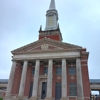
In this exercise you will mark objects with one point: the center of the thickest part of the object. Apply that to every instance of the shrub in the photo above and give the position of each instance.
(1, 99)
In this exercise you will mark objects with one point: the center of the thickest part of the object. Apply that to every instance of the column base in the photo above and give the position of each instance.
(6, 98)
(80, 98)
(19, 98)
(48, 98)
(15, 98)
(33, 98)
(10, 98)
(64, 98)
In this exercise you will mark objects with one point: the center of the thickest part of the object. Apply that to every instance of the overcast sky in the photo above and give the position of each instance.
(79, 22)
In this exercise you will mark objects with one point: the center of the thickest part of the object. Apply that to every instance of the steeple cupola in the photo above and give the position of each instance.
(51, 17)
(52, 30)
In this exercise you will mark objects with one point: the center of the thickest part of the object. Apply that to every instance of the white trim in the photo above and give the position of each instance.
(2, 91)
(94, 86)
(47, 55)
(87, 97)
(3, 85)
(84, 65)
(84, 60)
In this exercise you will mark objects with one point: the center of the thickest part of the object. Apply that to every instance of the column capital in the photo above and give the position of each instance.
(64, 58)
(14, 60)
(50, 59)
(25, 60)
(78, 57)
(38, 60)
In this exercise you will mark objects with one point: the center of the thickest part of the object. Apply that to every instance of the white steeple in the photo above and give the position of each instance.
(52, 5)
(51, 17)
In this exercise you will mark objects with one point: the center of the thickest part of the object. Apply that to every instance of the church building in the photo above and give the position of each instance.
(49, 69)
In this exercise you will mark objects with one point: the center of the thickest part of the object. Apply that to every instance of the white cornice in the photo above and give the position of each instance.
(47, 55)
(48, 51)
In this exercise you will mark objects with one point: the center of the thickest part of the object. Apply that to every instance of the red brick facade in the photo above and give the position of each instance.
(56, 78)
(54, 37)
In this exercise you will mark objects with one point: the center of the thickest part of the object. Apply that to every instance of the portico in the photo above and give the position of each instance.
(50, 57)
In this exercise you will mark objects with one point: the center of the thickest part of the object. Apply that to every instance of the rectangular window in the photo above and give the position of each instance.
(73, 91)
(72, 70)
(31, 89)
(58, 70)
(33, 64)
(58, 83)
(33, 70)
(58, 91)
(46, 70)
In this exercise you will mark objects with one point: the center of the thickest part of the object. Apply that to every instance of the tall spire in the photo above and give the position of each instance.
(52, 5)
(51, 17)
(52, 29)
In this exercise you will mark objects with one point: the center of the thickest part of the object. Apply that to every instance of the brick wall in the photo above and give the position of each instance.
(56, 78)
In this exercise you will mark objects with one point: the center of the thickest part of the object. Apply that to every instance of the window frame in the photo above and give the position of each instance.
(72, 89)
(45, 70)
(58, 70)
(72, 70)
(33, 70)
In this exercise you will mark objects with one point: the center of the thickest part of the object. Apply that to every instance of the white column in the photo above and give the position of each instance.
(49, 80)
(79, 80)
(11, 78)
(23, 79)
(36, 78)
(64, 80)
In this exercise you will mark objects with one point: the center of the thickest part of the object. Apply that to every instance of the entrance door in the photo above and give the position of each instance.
(58, 91)
(44, 90)
(31, 88)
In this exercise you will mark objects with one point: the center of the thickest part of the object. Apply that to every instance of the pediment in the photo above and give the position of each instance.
(45, 45)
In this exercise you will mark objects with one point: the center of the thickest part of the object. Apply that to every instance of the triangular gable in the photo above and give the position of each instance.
(45, 44)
